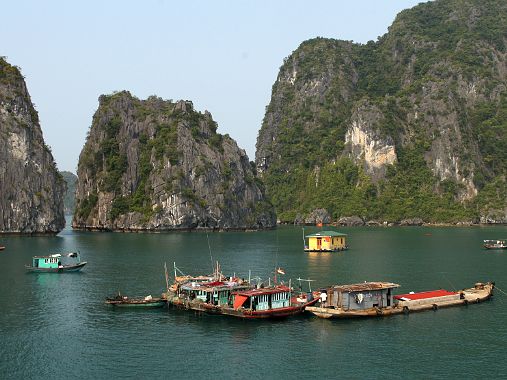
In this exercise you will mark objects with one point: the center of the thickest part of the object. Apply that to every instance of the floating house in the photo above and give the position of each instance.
(326, 241)
(361, 296)
(354, 300)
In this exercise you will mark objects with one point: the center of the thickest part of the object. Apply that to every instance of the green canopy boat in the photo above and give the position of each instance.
(56, 263)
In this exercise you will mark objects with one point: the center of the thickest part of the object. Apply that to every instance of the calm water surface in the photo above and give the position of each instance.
(56, 325)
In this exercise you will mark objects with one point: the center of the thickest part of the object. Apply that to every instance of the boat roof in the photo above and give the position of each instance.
(424, 295)
(326, 233)
(69, 254)
(364, 286)
(199, 279)
(263, 291)
(210, 286)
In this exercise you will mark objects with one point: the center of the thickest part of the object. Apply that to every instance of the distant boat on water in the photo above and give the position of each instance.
(56, 263)
(325, 241)
(2, 247)
(495, 244)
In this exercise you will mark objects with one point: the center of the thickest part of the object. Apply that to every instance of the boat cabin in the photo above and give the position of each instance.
(360, 296)
(215, 293)
(262, 299)
(52, 261)
(326, 241)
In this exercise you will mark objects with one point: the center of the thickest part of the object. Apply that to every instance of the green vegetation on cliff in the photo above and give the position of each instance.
(154, 165)
(434, 88)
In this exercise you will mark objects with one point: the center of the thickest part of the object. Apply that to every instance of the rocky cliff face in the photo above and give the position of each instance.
(69, 201)
(427, 100)
(31, 189)
(158, 165)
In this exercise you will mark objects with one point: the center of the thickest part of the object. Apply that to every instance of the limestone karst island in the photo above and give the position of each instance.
(409, 129)
(253, 190)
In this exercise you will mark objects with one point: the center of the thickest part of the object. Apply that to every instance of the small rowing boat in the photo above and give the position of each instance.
(147, 302)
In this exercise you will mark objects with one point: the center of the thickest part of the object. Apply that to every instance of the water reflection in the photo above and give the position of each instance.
(126, 342)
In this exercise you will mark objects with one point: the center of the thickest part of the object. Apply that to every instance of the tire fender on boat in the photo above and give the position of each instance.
(435, 307)
(406, 310)
(478, 300)
(465, 302)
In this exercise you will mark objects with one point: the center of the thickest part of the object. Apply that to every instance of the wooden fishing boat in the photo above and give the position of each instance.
(217, 294)
(375, 299)
(2, 247)
(136, 302)
(56, 263)
(204, 293)
(271, 302)
(495, 244)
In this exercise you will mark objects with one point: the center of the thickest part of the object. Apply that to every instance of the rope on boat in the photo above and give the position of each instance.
(449, 281)
(501, 291)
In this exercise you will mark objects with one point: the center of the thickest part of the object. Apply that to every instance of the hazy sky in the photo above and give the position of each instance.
(222, 55)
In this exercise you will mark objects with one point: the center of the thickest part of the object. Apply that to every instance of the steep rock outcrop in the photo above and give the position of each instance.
(69, 201)
(412, 125)
(319, 216)
(31, 189)
(157, 165)
(364, 144)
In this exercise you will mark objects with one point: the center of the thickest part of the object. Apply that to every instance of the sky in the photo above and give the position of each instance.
(224, 56)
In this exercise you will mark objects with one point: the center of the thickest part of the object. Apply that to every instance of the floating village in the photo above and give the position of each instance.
(252, 298)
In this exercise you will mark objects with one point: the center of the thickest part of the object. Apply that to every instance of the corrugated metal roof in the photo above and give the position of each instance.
(326, 233)
(365, 286)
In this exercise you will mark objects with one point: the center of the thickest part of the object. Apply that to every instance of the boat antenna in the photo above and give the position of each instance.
(167, 277)
(276, 258)
(210, 255)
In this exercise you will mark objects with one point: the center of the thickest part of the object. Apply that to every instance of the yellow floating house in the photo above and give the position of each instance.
(326, 241)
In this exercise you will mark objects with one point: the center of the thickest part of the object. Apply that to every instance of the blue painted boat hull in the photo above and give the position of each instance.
(65, 268)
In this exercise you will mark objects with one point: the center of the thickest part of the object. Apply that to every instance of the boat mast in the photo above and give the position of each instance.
(307, 280)
(209, 249)
(167, 277)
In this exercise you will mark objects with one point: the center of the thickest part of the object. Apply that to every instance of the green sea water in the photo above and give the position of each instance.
(56, 326)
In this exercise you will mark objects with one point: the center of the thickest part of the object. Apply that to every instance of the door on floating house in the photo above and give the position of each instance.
(319, 243)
